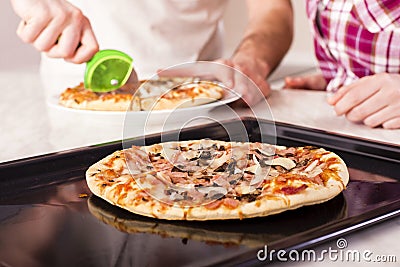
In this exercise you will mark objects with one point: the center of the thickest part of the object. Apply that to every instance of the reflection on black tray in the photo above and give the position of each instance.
(253, 232)
(364, 197)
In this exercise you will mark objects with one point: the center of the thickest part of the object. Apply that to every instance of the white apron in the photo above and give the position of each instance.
(155, 33)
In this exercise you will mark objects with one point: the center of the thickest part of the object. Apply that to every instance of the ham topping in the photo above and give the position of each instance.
(230, 174)
(291, 190)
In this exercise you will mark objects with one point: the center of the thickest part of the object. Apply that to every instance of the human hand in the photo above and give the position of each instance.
(312, 82)
(57, 28)
(373, 100)
(255, 73)
(240, 77)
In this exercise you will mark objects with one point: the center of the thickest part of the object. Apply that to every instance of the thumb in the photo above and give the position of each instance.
(295, 83)
(312, 81)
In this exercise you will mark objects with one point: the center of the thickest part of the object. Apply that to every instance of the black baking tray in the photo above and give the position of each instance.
(48, 217)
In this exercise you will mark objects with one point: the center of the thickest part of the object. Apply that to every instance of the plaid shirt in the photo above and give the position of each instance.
(355, 38)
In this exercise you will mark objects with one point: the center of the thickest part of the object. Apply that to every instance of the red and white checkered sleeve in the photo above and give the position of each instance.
(378, 15)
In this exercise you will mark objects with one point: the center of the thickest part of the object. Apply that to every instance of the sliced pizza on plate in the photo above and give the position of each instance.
(157, 94)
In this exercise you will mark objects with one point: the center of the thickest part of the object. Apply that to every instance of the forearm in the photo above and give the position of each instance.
(268, 34)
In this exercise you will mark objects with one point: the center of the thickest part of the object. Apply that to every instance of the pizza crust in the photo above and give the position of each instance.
(100, 105)
(123, 190)
(164, 104)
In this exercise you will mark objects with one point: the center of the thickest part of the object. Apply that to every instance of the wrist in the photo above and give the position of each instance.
(253, 49)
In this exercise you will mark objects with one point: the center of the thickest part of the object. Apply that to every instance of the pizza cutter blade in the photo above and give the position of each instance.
(133, 79)
(132, 84)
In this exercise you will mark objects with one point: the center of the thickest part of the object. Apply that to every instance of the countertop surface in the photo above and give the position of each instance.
(29, 126)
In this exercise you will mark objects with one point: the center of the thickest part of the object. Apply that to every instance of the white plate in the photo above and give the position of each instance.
(142, 116)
